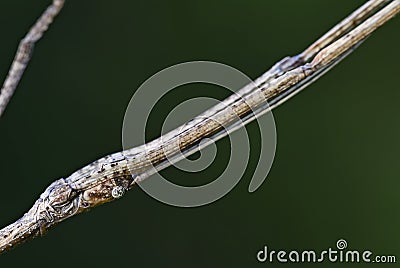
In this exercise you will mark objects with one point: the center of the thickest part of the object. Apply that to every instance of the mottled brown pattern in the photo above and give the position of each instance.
(93, 185)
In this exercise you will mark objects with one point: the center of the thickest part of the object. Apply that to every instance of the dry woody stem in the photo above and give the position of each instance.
(110, 177)
(24, 52)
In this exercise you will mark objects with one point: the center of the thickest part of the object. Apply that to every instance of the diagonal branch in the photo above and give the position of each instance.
(108, 178)
(24, 52)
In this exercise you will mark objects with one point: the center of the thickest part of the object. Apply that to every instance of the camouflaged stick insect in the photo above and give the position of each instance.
(110, 177)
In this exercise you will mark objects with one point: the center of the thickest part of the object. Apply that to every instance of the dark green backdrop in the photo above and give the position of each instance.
(335, 173)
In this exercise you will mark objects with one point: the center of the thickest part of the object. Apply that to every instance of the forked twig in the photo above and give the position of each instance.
(24, 52)
(108, 178)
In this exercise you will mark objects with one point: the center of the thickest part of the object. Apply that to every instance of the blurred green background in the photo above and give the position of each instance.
(334, 174)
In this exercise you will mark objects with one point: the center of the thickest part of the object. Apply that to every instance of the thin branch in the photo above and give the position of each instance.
(350, 22)
(24, 52)
(108, 178)
(343, 27)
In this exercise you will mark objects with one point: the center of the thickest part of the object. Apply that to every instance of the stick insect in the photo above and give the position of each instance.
(110, 177)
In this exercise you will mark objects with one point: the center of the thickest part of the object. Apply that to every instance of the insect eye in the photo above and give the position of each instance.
(118, 192)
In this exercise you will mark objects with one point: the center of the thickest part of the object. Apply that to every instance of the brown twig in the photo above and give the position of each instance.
(24, 52)
(108, 178)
